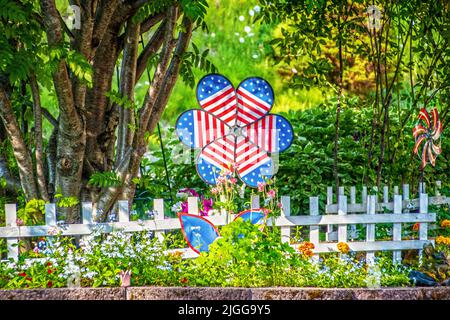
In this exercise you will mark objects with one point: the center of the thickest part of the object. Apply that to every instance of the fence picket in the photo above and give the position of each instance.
(370, 232)
(158, 209)
(254, 202)
(397, 229)
(423, 227)
(286, 212)
(385, 194)
(342, 228)
(314, 211)
(124, 214)
(193, 205)
(11, 221)
(329, 202)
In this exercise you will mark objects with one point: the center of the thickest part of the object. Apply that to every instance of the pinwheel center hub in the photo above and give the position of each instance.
(237, 131)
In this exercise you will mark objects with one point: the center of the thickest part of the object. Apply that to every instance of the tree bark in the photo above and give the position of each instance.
(19, 146)
(40, 174)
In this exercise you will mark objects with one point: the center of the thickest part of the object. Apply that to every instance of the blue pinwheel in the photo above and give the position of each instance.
(234, 129)
(199, 233)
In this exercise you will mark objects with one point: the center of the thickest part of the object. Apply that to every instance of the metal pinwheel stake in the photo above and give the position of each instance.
(234, 129)
(427, 134)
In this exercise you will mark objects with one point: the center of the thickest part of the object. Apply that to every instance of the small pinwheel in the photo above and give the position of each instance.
(428, 134)
(199, 233)
(234, 129)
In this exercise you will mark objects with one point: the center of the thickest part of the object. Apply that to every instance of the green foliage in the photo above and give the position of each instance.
(66, 202)
(105, 179)
(121, 100)
(33, 213)
(195, 59)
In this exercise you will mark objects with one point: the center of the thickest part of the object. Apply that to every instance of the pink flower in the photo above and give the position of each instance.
(280, 205)
(189, 192)
(233, 180)
(19, 222)
(184, 207)
(261, 186)
(271, 193)
(125, 278)
(214, 191)
(266, 211)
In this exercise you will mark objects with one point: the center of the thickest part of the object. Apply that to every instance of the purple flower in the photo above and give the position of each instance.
(207, 206)
(184, 207)
(189, 192)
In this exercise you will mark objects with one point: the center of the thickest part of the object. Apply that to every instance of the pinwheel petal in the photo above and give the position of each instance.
(255, 99)
(418, 129)
(436, 149)
(255, 216)
(197, 128)
(253, 164)
(423, 114)
(431, 156)
(272, 133)
(437, 131)
(424, 154)
(216, 156)
(216, 94)
(198, 232)
(419, 140)
(435, 115)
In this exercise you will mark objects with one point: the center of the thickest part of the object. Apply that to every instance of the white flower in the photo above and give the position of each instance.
(294, 71)
(213, 35)
(251, 12)
(247, 29)
(241, 40)
(241, 18)
(255, 56)
(257, 8)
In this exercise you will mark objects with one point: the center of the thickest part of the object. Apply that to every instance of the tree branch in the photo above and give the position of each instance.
(42, 185)
(20, 150)
(149, 50)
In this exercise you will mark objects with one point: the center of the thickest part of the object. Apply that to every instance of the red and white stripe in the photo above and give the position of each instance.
(263, 133)
(207, 128)
(249, 156)
(221, 152)
(222, 104)
(250, 107)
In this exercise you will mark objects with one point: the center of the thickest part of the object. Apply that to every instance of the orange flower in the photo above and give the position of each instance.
(416, 226)
(443, 240)
(445, 223)
(306, 248)
(343, 247)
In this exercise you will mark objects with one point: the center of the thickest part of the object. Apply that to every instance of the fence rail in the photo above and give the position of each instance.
(342, 214)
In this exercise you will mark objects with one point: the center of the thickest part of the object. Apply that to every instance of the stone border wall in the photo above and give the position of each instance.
(191, 293)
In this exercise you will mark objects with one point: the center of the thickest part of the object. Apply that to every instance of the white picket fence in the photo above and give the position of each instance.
(341, 214)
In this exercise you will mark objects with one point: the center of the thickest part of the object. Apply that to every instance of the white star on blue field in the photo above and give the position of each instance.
(185, 128)
(210, 85)
(259, 88)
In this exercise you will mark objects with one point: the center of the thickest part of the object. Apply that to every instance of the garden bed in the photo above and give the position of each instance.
(209, 293)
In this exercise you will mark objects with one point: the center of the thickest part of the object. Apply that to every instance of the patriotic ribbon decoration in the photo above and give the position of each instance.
(234, 129)
(427, 134)
(199, 232)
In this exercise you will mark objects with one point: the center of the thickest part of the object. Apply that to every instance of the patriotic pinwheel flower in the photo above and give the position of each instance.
(234, 129)
(427, 133)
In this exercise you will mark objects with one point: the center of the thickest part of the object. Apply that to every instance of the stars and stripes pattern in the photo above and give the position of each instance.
(234, 128)
(272, 133)
(216, 95)
(197, 128)
(255, 99)
(427, 135)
